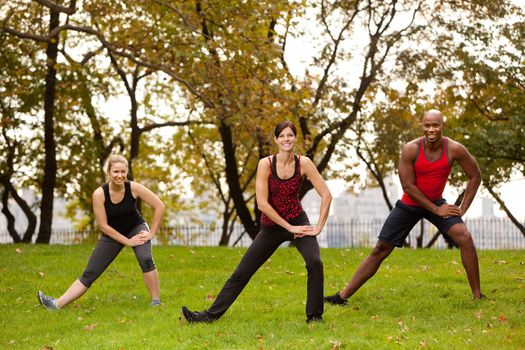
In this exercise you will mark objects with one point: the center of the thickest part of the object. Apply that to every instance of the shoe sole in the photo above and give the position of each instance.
(39, 299)
(332, 303)
(184, 310)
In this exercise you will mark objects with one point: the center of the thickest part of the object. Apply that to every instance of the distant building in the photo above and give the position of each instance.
(366, 206)
(487, 207)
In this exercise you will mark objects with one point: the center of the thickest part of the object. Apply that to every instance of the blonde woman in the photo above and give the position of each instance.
(115, 209)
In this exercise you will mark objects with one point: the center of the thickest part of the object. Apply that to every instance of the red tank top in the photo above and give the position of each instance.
(431, 177)
(283, 195)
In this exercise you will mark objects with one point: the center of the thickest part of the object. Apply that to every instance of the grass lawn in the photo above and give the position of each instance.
(418, 299)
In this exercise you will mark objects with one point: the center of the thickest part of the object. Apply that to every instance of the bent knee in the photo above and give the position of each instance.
(460, 234)
(147, 264)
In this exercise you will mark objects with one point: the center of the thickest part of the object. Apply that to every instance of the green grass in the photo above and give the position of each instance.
(418, 299)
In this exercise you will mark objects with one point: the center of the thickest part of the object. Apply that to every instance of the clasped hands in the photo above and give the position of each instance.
(301, 231)
(140, 238)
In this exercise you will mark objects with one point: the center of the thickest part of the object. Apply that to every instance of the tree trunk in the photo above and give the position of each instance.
(419, 239)
(506, 210)
(232, 178)
(9, 217)
(225, 235)
(50, 166)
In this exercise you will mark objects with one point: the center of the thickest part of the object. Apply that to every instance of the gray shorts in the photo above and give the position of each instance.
(404, 217)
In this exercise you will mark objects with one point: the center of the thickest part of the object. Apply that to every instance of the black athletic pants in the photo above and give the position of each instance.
(259, 251)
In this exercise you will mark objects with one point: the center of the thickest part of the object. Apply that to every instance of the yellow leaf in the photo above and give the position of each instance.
(90, 327)
(41, 274)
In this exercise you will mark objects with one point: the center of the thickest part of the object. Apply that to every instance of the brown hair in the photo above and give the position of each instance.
(283, 125)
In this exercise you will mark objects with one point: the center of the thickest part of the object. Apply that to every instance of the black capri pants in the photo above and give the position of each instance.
(107, 250)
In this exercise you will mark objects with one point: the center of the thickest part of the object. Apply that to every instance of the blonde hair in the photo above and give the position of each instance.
(112, 159)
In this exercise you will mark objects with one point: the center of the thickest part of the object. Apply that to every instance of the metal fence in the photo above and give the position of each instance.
(488, 233)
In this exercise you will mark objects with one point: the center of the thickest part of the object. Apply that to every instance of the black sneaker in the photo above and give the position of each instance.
(48, 302)
(335, 300)
(481, 297)
(312, 319)
(195, 316)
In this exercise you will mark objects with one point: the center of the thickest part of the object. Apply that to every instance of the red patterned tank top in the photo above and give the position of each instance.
(431, 177)
(283, 195)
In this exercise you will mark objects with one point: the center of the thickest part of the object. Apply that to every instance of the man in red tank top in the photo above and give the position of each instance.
(424, 168)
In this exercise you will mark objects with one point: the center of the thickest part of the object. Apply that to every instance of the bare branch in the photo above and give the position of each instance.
(22, 35)
(88, 30)
(215, 178)
(71, 9)
(161, 125)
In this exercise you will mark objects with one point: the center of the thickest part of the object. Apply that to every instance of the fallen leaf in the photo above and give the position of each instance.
(502, 318)
(18, 250)
(423, 343)
(375, 317)
(41, 274)
(210, 297)
(90, 327)
(335, 345)
(500, 262)
(479, 314)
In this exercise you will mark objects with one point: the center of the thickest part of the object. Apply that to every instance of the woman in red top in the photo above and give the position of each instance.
(278, 182)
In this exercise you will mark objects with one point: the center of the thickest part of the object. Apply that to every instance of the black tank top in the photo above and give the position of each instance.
(123, 216)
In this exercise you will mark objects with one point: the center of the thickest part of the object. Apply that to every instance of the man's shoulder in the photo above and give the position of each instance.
(454, 145)
(412, 146)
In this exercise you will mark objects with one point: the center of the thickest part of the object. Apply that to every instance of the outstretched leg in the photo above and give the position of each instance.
(104, 253)
(75, 291)
(309, 249)
(259, 251)
(367, 269)
(460, 234)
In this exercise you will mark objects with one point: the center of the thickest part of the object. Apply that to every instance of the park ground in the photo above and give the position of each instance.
(418, 299)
